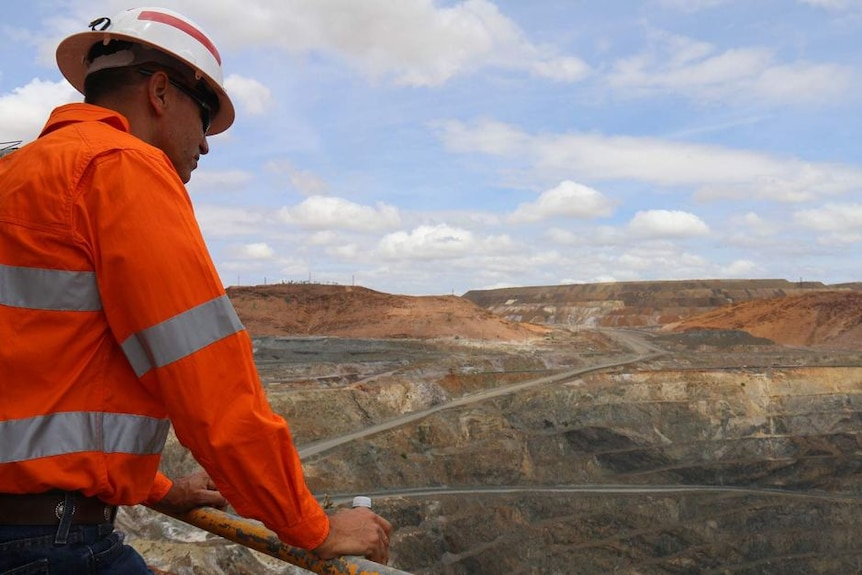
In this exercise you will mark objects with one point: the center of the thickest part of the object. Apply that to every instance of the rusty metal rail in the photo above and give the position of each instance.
(9, 147)
(259, 538)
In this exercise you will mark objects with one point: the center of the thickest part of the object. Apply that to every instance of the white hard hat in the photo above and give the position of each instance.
(163, 30)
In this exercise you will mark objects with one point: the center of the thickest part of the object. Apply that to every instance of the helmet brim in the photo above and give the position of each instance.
(72, 60)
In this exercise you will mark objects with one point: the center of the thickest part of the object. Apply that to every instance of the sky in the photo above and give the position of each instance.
(430, 147)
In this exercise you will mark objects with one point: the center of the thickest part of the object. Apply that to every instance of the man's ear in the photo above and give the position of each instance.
(157, 92)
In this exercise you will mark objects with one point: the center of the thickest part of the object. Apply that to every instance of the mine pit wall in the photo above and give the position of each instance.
(637, 533)
(794, 429)
(788, 428)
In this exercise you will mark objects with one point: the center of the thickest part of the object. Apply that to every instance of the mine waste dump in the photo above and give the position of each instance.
(576, 450)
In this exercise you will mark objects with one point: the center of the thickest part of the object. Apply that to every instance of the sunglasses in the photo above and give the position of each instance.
(206, 109)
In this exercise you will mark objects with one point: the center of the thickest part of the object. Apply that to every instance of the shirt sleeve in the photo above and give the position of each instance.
(161, 486)
(166, 306)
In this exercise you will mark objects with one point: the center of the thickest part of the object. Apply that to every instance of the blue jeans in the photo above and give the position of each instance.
(90, 550)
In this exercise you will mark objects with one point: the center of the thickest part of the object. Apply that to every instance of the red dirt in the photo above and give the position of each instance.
(351, 311)
(827, 319)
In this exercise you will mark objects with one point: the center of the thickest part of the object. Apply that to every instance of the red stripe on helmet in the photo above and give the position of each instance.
(183, 26)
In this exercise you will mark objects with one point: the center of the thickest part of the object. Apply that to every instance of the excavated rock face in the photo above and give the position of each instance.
(664, 533)
(793, 428)
(681, 442)
(671, 434)
(809, 313)
(729, 453)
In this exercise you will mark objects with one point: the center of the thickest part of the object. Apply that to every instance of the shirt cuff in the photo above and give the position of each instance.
(160, 488)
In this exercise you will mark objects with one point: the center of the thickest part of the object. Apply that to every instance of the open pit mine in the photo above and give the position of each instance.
(642, 428)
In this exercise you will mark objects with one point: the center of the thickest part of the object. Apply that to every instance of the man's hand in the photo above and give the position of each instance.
(195, 490)
(357, 531)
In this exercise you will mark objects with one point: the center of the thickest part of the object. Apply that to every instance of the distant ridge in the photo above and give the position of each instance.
(636, 303)
(354, 311)
(829, 315)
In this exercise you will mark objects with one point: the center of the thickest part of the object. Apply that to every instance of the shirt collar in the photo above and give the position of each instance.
(79, 112)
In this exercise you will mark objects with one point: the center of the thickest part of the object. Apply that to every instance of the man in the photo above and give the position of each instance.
(114, 323)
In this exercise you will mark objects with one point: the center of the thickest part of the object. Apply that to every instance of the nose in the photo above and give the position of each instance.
(204, 145)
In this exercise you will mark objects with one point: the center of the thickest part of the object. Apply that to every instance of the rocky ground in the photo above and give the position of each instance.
(729, 452)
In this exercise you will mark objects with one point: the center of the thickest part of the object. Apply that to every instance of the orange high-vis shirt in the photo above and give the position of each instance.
(114, 325)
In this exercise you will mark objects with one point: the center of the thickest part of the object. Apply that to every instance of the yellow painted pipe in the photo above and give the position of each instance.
(259, 538)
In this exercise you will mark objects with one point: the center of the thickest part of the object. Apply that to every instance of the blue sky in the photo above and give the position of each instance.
(427, 147)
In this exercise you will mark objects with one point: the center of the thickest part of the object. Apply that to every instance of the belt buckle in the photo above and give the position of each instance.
(60, 510)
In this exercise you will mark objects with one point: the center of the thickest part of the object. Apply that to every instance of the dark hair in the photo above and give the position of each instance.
(108, 81)
(103, 82)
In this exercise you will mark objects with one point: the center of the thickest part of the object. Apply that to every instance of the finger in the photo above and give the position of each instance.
(210, 484)
(384, 552)
(382, 546)
(378, 556)
(384, 556)
(212, 498)
(384, 524)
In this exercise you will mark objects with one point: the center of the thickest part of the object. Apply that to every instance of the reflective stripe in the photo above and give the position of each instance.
(181, 335)
(73, 432)
(45, 289)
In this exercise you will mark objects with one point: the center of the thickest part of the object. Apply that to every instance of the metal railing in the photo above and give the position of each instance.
(259, 538)
(9, 147)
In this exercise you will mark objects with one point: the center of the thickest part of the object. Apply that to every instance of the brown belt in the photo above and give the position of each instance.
(47, 508)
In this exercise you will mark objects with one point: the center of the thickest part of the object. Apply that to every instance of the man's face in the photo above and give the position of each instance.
(186, 138)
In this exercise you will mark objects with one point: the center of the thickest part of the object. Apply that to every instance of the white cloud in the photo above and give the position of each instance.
(741, 269)
(568, 199)
(838, 225)
(427, 242)
(680, 65)
(567, 69)
(204, 181)
(253, 251)
(439, 242)
(248, 94)
(487, 137)
(227, 221)
(748, 227)
(673, 263)
(839, 239)
(23, 112)
(720, 172)
(322, 238)
(750, 221)
(303, 181)
(831, 218)
(317, 212)
(415, 42)
(563, 237)
(667, 224)
(791, 182)
(600, 236)
(805, 83)
(239, 269)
